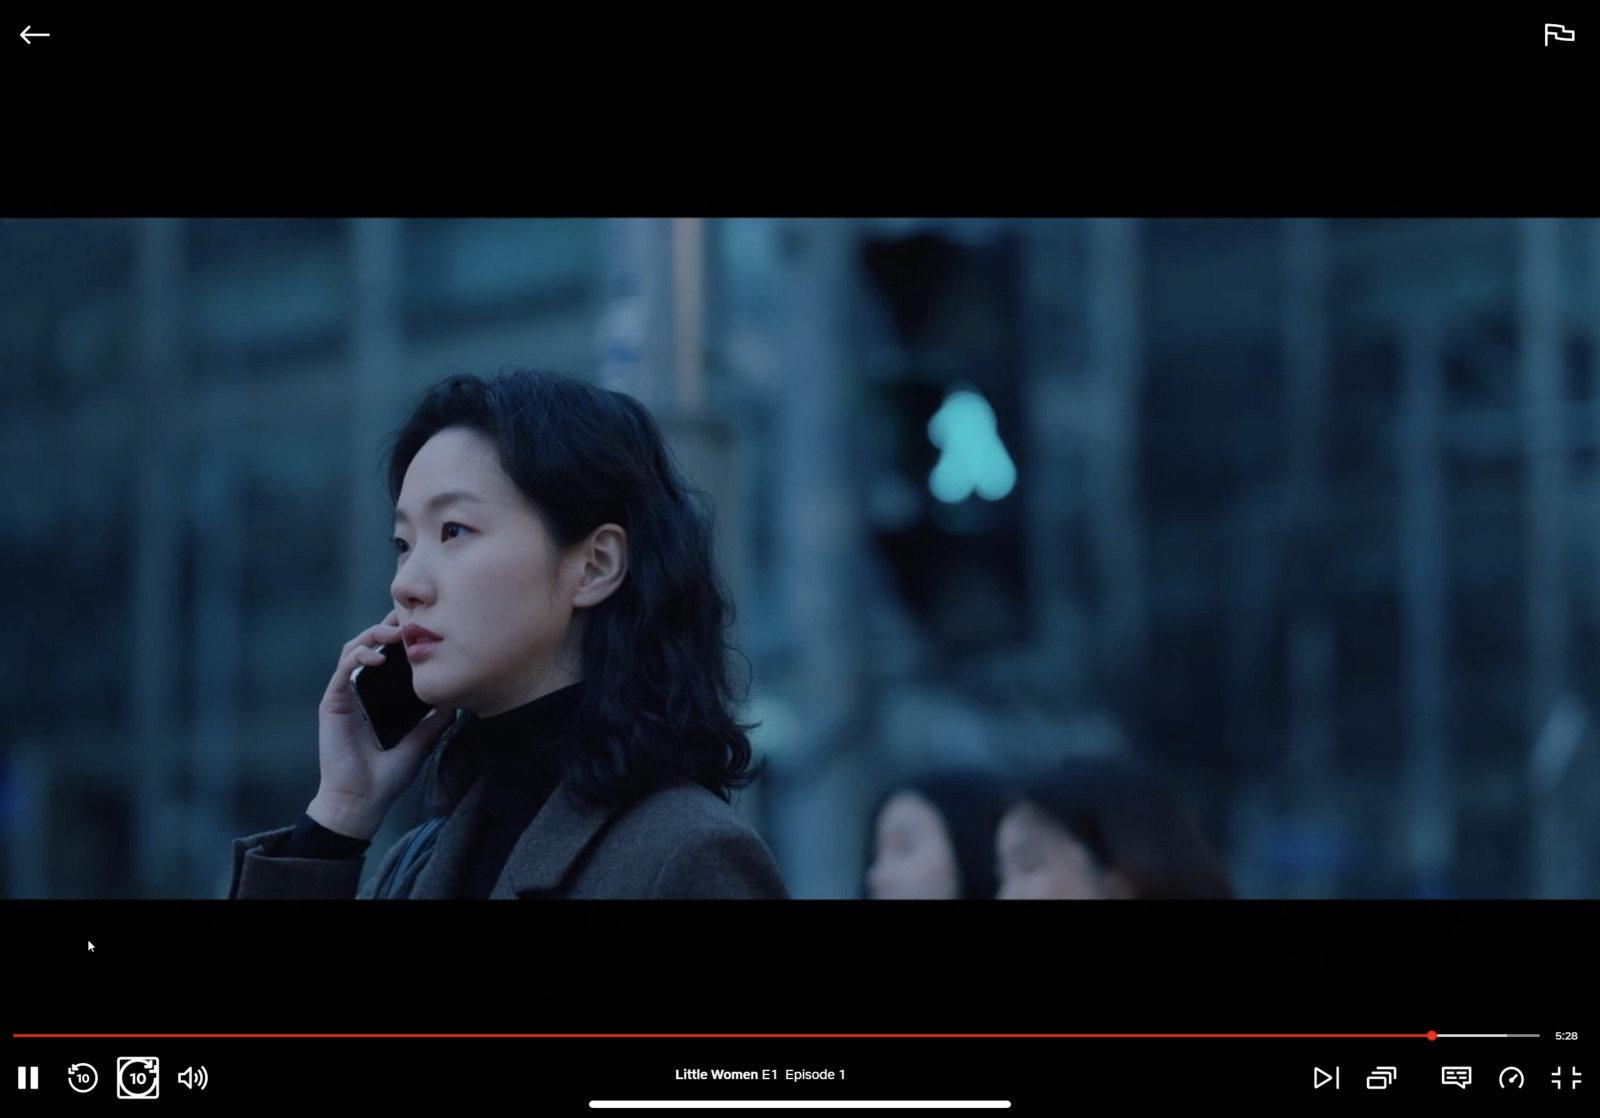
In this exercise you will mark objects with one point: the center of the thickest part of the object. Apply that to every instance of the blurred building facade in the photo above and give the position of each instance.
(1307, 511)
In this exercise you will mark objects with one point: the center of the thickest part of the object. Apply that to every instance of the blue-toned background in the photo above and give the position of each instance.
(1309, 511)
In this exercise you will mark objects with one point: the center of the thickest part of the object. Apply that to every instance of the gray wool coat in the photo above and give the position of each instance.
(679, 842)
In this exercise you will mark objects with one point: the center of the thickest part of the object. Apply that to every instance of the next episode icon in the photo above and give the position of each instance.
(1461, 1077)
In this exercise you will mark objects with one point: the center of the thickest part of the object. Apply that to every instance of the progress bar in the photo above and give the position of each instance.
(1443, 1035)
(802, 1104)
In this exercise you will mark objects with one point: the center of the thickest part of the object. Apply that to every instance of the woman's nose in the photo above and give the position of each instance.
(410, 586)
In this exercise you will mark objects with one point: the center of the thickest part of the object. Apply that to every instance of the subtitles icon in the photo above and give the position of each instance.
(1461, 1077)
(1380, 1079)
(1559, 34)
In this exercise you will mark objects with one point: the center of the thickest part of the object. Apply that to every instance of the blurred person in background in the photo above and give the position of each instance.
(932, 838)
(1103, 828)
(556, 595)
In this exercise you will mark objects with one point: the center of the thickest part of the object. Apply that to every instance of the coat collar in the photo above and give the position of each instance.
(539, 862)
(552, 845)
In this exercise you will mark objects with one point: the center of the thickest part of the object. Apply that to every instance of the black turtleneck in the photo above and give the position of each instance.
(519, 753)
(518, 749)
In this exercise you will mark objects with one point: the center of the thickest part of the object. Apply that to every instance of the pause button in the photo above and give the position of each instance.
(27, 1079)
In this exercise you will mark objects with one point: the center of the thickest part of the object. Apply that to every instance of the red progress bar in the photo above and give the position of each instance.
(722, 1036)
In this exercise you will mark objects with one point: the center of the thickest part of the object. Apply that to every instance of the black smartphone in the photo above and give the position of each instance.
(384, 696)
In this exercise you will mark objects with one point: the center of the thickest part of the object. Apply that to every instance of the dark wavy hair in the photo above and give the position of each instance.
(658, 686)
(1129, 820)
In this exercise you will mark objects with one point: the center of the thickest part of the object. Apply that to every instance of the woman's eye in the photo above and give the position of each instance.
(447, 530)
(399, 545)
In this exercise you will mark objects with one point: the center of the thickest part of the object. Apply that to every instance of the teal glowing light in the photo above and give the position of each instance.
(973, 459)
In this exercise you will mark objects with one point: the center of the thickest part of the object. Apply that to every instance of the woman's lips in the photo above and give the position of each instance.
(416, 650)
(419, 641)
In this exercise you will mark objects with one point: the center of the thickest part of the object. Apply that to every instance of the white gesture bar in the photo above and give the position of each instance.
(799, 1104)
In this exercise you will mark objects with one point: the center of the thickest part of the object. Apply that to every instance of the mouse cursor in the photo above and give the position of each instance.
(91, 946)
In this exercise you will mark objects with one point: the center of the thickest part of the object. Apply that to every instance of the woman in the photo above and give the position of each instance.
(933, 839)
(1103, 828)
(556, 595)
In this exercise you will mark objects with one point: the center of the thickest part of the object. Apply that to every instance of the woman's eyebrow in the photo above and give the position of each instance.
(454, 496)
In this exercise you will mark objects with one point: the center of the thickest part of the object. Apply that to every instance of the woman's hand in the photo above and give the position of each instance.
(360, 782)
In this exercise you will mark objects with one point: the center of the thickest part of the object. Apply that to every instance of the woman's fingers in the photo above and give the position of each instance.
(358, 653)
(378, 634)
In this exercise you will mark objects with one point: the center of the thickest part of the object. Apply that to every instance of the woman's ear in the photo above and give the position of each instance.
(602, 564)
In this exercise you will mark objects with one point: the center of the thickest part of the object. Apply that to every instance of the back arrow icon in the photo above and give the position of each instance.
(28, 38)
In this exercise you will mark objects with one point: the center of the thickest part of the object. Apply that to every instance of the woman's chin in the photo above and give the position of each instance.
(436, 693)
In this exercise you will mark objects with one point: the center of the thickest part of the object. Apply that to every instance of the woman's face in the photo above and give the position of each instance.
(913, 859)
(477, 568)
(1040, 861)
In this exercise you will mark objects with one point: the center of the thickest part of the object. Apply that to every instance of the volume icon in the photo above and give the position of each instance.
(193, 1078)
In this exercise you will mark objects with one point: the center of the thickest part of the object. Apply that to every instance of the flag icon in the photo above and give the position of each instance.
(1559, 34)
